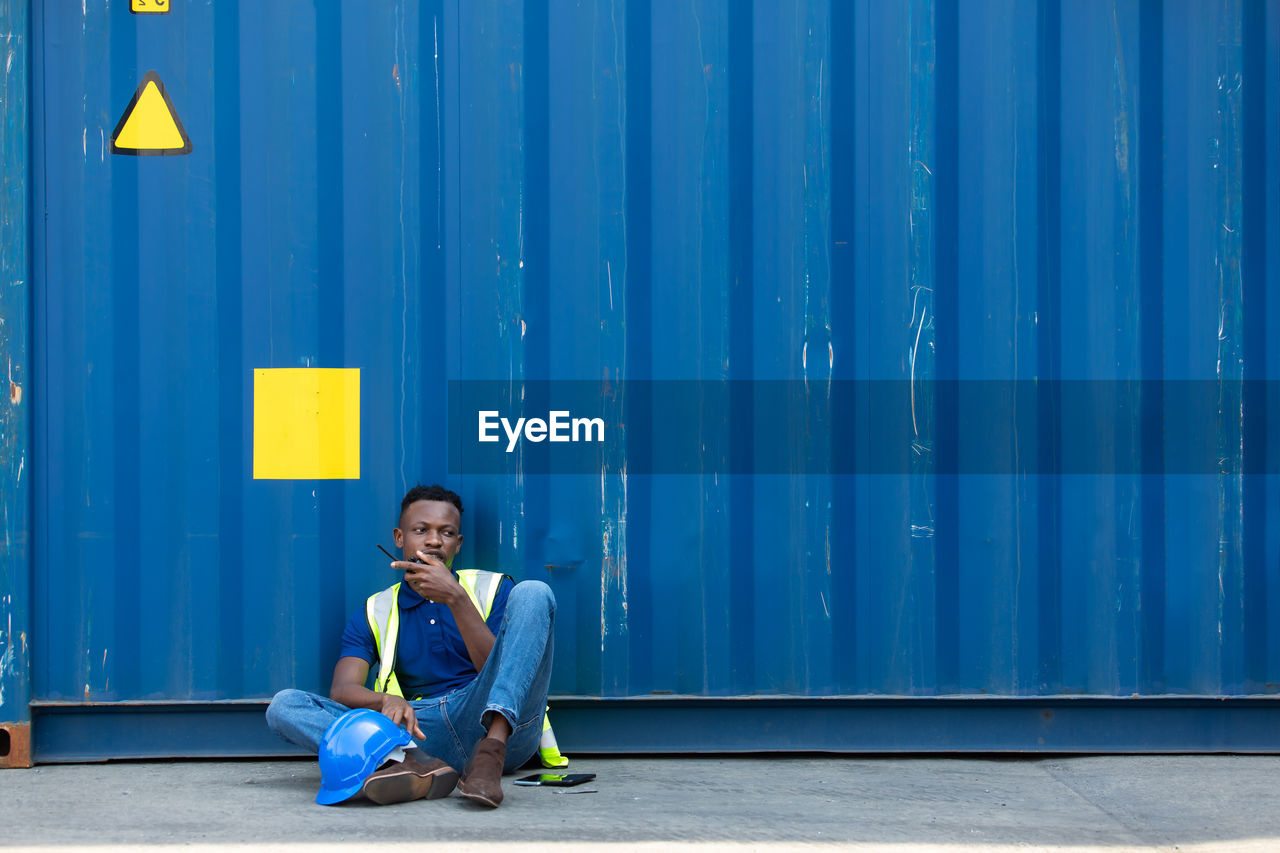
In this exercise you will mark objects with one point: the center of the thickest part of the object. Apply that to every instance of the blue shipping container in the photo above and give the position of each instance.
(961, 306)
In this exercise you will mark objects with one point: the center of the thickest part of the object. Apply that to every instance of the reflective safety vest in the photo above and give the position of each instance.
(383, 612)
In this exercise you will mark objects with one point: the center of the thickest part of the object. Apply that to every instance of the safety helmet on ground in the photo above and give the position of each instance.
(354, 746)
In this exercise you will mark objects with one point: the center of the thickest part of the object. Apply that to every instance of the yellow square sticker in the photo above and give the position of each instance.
(150, 7)
(306, 423)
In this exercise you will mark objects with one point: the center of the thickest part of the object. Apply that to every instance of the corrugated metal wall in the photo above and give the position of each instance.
(15, 393)
(704, 189)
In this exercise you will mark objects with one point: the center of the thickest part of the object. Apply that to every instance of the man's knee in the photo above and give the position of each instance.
(281, 704)
(535, 594)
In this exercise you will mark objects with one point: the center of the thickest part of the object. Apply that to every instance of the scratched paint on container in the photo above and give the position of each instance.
(16, 398)
(650, 189)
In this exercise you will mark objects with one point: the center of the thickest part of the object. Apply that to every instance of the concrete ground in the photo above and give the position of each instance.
(708, 804)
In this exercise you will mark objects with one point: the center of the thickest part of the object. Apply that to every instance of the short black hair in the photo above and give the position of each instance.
(430, 493)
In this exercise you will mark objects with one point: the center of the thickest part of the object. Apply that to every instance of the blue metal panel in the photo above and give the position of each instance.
(884, 332)
(690, 297)
(802, 191)
(1263, 272)
(1202, 286)
(16, 390)
(1098, 315)
(791, 327)
(996, 305)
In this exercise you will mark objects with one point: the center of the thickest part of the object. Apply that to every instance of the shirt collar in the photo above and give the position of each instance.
(407, 597)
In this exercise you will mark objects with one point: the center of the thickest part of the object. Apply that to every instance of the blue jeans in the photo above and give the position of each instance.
(513, 683)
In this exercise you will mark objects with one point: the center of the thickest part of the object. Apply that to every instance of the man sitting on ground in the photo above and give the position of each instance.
(464, 662)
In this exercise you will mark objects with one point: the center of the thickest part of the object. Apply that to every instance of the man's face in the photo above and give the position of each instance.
(430, 527)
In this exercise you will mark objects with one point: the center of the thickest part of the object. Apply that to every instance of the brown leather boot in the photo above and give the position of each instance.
(482, 779)
(418, 776)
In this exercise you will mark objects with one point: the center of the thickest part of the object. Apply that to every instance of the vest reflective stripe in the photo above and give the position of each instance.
(384, 622)
(548, 749)
(482, 588)
(383, 612)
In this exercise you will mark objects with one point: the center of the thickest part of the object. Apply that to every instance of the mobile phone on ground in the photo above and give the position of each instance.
(556, 780)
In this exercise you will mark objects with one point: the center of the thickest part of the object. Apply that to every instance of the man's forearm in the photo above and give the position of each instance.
(356, 696)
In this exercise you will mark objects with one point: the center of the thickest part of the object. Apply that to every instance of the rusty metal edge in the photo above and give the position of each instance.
(19, 754)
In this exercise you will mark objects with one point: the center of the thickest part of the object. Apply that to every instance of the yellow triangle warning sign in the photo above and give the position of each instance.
(150, 125)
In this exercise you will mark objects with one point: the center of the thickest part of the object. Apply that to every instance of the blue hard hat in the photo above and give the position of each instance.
(352, 747)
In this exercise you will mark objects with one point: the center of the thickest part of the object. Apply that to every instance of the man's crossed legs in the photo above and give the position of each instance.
(490, 726)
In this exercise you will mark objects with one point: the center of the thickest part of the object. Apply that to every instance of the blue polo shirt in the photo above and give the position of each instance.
(431, 658)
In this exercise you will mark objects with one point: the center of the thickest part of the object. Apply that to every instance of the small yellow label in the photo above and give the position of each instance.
(306, 423)
(149, 124)
(149, 7)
